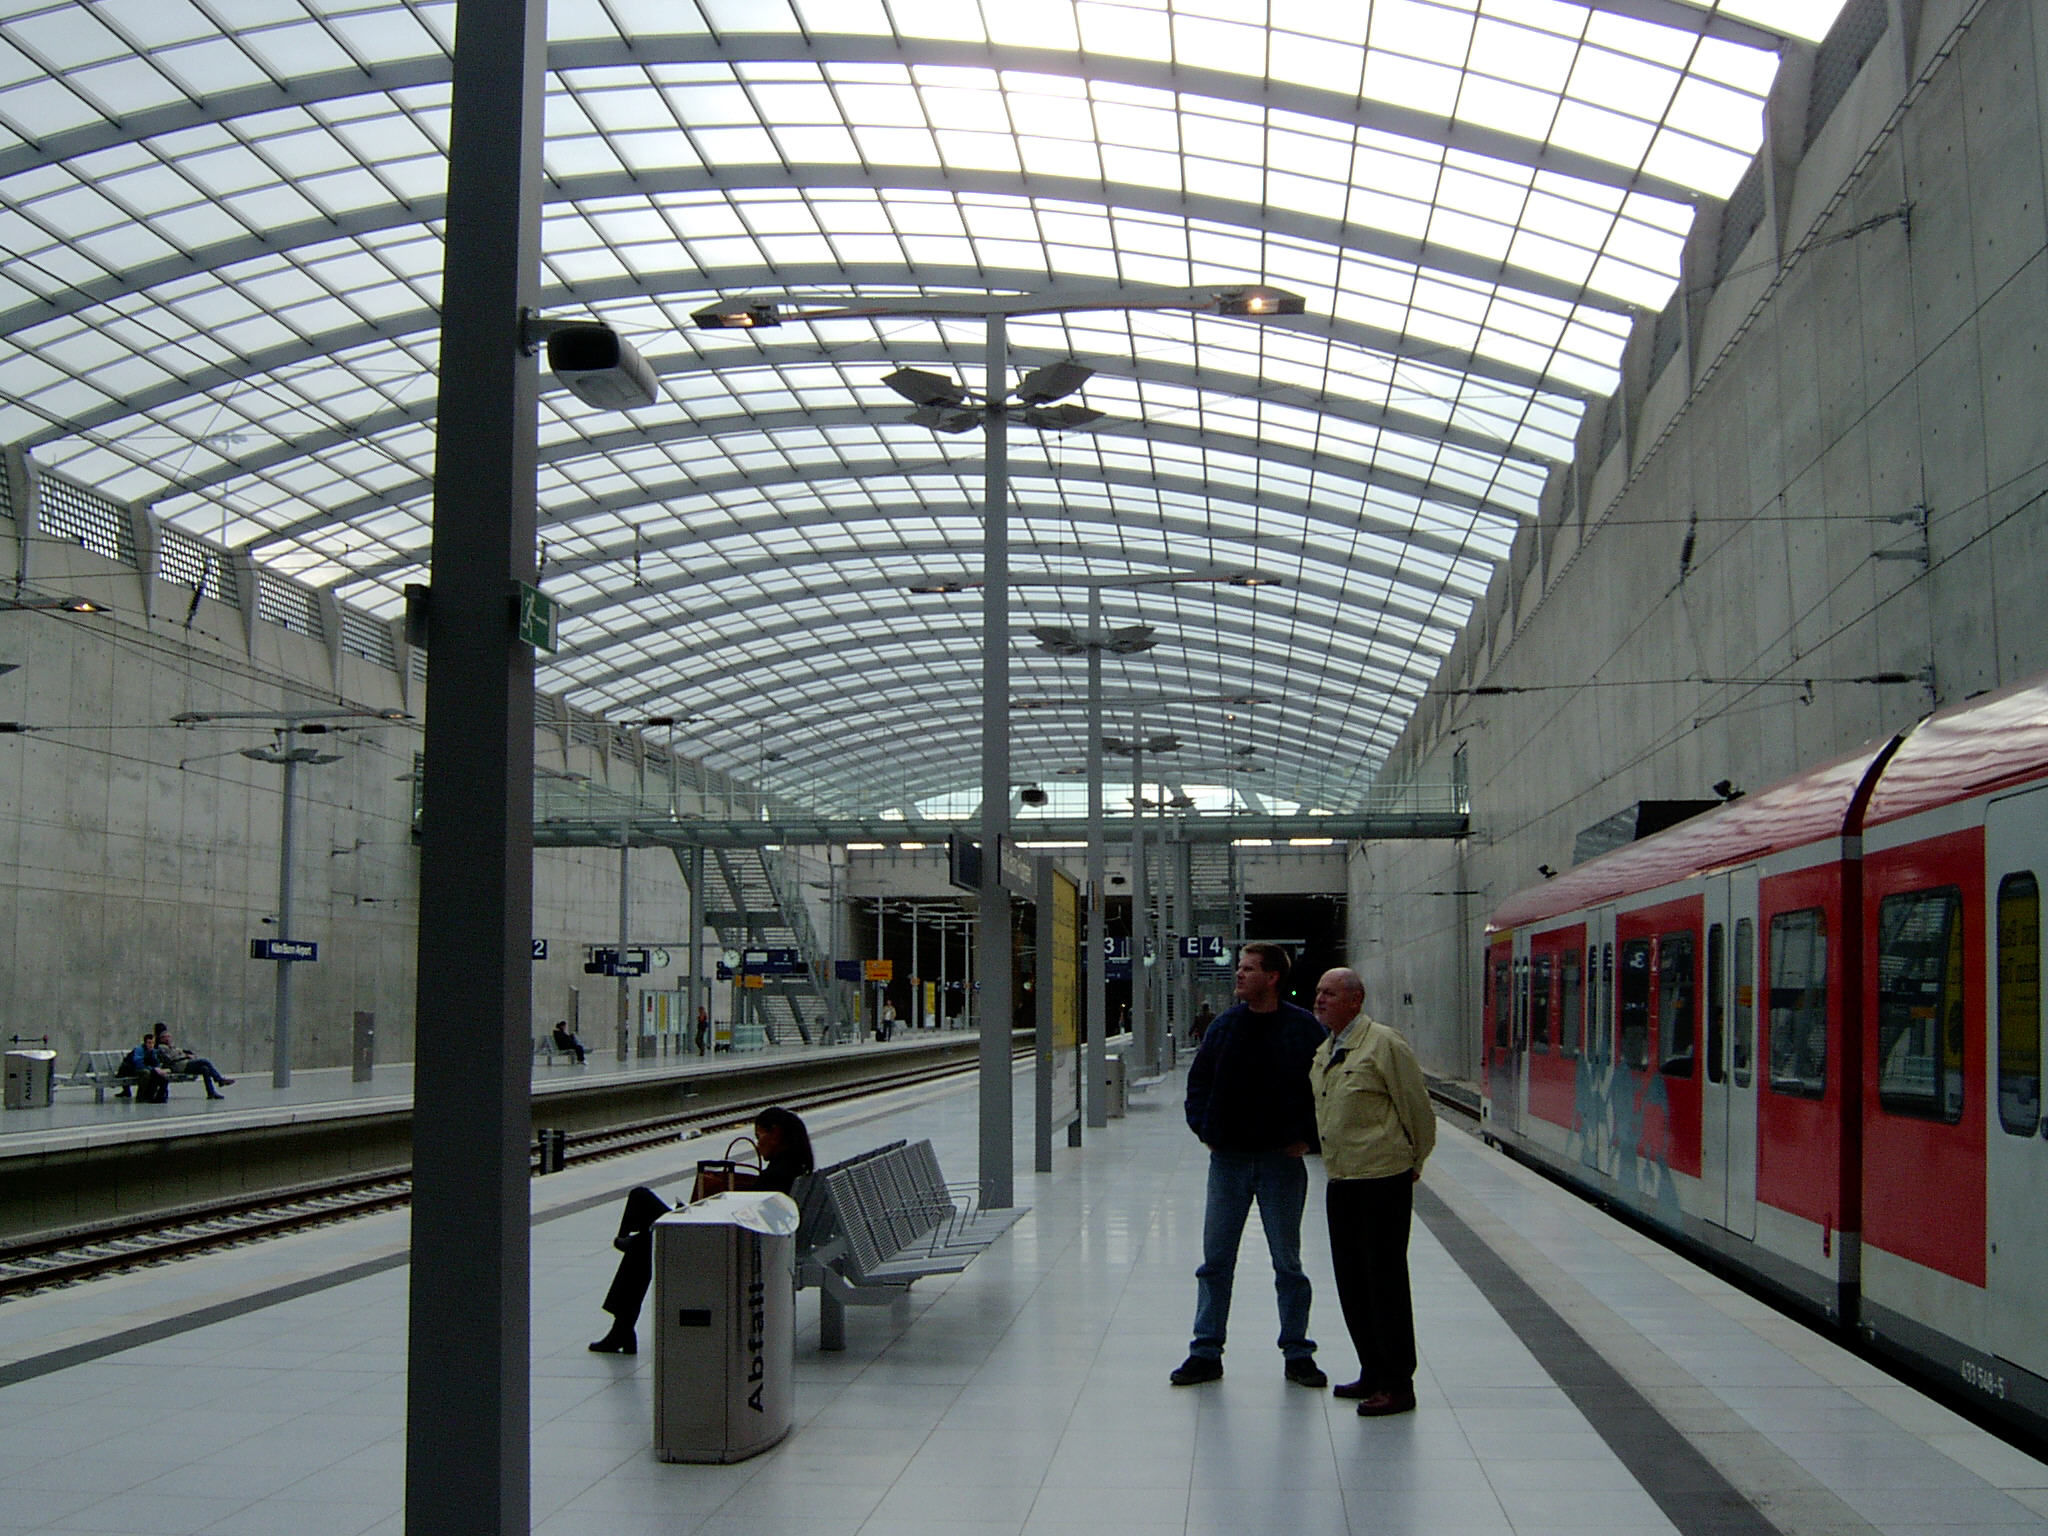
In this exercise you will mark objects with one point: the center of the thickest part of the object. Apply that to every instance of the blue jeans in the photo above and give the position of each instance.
(1280, 1184)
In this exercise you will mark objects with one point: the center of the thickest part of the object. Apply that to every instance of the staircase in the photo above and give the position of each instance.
(1216, 896)
(747, 904)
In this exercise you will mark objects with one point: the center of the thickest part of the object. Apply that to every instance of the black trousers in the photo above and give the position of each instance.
(1369, 1250)
(636, 1263)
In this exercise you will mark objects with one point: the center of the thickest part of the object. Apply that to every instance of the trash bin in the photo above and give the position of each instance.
(725, 1326)
(554, 1151)
(28, 1079)
(1115, 1086)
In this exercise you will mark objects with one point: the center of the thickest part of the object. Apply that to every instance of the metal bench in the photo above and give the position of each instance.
(101, 1070)
(872, 1226)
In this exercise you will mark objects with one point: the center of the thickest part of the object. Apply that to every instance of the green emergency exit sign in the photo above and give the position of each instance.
(538, 614)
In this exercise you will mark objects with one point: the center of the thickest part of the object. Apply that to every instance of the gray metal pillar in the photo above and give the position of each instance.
(998, 1175)
(1141, 894)
(700, 994)
(1095, 1109)
(281, 1036)
(627, 1043)
(468, 1429)
(1041, 1120)
(1184, 884)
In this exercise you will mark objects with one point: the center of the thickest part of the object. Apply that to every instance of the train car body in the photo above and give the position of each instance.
(1803, 1032)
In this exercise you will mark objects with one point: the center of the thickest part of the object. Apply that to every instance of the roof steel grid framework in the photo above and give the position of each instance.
(224, 266)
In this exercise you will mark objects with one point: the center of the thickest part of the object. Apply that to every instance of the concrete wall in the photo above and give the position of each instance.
(1854, 376)
(138, 858)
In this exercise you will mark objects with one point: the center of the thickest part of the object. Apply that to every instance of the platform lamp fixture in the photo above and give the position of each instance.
(1039, 399)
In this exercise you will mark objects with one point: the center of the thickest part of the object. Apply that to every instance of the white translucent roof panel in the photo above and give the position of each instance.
(224, 257)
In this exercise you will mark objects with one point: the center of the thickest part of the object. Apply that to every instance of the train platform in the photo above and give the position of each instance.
(327, 1090)
(1575, 1378)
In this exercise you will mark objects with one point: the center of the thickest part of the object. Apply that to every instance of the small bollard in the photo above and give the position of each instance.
(554, 1151)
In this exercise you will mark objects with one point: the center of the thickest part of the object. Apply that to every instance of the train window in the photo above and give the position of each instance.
(1571, 1006)
(1920, 1003)
(1501, 1002)
(1606, 1002)
(1675, 984)
(1539, 1004)
(1635, 1003)
(1745, 1000)
(2019, 1004)
(1798, 1019)
(1717, 1003)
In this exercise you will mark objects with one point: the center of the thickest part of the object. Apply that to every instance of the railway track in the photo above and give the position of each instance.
(160, 1237)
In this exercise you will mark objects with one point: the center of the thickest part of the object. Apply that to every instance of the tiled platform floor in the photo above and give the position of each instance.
(1027, 1395)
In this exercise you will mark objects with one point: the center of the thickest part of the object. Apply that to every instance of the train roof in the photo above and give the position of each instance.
(1789, 814)
(1975, 748)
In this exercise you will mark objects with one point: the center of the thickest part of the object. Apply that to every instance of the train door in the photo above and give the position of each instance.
(2016, 1163)
(1596, 1060)
(1503, 1059)
(1728, 1096)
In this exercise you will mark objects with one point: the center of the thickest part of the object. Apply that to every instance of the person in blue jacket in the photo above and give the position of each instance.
(1249, 1102)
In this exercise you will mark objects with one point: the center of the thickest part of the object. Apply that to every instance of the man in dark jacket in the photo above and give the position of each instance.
(1249, 1102)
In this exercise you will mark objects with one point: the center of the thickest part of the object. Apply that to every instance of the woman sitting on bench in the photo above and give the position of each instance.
(785, 1148)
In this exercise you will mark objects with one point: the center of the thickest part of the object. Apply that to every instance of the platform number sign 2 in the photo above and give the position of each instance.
(540, 949)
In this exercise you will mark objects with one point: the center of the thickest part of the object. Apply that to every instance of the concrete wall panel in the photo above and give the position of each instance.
(1895, 364)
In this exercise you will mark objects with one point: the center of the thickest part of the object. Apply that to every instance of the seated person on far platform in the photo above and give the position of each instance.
(565, 1040)
(152, 1079)
(177, 1059)
(785, 1147)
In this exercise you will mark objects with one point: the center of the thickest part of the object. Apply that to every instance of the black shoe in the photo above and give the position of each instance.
(1195, 1370)
(619, 1341)
(1354, 1389)
(1304, 1372)
(1381, 1404)
(212, 1095)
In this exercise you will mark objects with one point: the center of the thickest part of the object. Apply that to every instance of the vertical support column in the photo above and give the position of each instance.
(627, 1042)
(997, 1172)
(700, 994)
(287, 857)
(468, 1429)
(1095, 1112)
(1191, 965)
(1041, 1120)
(1141, 896)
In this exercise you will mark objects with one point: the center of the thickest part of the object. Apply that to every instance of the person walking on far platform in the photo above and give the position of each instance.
(1377, 1129)
(1248, 1101)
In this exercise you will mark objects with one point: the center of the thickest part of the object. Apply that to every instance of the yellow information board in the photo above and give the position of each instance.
(1066, 951)
(878, 970)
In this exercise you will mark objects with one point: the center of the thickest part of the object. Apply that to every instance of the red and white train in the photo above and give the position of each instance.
(1804, 1031)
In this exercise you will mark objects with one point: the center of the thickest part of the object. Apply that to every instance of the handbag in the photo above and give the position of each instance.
(716, 1175)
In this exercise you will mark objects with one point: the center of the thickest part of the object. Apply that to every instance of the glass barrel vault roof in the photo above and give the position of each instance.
(222, 239)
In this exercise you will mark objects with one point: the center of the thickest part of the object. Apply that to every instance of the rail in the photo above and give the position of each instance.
(83, 1253)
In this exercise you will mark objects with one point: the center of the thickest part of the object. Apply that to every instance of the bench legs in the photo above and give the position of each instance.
(835, 1294)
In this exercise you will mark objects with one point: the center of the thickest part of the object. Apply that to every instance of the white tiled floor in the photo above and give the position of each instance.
(1027, 1395)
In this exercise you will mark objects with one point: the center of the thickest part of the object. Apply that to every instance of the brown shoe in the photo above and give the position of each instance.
(1353, 1389)
(1381, 1404)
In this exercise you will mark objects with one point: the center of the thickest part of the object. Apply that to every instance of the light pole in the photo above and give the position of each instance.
(304, 722)
(1130, 641)
(290, 757)
(949, 407)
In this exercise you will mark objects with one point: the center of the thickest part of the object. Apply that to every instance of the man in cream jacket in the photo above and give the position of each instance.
(1377, 1130)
